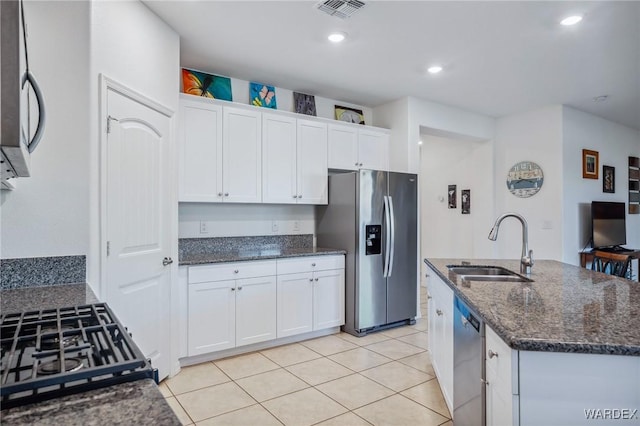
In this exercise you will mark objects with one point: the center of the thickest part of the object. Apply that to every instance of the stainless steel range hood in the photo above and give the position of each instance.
(16, 143)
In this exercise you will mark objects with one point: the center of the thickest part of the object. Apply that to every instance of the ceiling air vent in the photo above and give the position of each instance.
(340, 8)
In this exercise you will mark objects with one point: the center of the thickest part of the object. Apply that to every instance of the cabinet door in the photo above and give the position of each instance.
(242, 156)
(279, 159)
(255, 310)
(328, 299)
(312, 162)
(373, 150)
(212, 313)
(200, 151)
(342, 147)
(295, 304)
(441, 343)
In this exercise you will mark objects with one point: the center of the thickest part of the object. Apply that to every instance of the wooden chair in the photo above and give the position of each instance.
(612, 263)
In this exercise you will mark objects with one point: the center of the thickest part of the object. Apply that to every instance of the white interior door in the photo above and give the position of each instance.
(138, 207)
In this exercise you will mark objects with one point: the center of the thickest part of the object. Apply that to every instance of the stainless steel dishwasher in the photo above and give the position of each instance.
(468, 366)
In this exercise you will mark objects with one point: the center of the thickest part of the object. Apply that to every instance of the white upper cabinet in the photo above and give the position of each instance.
(343, 147)
(312, 162)
(220, 153)
(294, 160)
(200, 136)
(237, 153)
(279, 171)
(373, 149)
(242, 154)
(353, 148)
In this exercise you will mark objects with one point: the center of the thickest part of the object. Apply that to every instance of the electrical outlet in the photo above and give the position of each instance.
(203, 227)
(274, 227)
(296, 226)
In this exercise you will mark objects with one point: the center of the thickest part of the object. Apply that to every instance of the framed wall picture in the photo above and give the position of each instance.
(262, 95)
(590, 164)
(350, 115)
(466, 201)
(304, 104)
(207, 85)
(609, 179)
(451, 196)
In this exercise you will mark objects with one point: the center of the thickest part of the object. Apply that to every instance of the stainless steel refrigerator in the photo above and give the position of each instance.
(373, 215)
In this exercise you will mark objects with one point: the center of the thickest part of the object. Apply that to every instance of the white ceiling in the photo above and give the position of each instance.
(500, 58)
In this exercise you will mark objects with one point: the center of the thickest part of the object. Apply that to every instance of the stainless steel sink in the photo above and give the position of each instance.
(486, 273)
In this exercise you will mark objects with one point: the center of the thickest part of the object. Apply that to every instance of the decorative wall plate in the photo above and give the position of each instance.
(525, 179)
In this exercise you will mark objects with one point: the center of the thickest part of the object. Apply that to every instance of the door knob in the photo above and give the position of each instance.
(439, 312)
(167, 261)
(492, 354)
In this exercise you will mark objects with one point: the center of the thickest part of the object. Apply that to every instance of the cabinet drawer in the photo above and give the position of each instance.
(231, 271)
(309, 264)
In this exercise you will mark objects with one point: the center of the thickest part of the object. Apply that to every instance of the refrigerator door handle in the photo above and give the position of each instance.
(392, 243)
(387, 231)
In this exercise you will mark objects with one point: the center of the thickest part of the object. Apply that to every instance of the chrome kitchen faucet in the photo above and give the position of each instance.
(526, 260)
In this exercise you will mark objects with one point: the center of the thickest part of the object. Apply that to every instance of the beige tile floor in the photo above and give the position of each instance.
(384, 378)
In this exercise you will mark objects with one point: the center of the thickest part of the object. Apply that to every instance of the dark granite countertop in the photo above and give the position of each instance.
(53, 296)
(254, 254)
(139, 402)
(565, 309)
(134, 403)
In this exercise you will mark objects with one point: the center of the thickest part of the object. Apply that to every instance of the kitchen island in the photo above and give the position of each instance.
(138, 402)
(568, 343)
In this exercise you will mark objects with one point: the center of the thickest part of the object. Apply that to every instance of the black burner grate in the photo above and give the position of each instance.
(88, 341)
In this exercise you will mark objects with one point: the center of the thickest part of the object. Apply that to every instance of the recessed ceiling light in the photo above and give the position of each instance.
(419, 142)
(434, 69)
(337, 37)
(571, 20)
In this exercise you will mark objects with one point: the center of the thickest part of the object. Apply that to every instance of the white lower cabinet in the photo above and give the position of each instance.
(328, 299)
(295, 304)
(310, 294)
(225, 313)
(211, 303)
(440, 315)
(501, 370)
(234, 304)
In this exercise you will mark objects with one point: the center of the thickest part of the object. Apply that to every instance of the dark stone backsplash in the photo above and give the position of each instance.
(42, 271)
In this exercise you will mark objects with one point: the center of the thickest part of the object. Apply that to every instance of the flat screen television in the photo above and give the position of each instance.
(608, 226)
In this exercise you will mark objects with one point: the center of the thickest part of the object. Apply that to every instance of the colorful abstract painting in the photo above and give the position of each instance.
(207, 85)
(304, 104)
(350, 115)
(262, 95)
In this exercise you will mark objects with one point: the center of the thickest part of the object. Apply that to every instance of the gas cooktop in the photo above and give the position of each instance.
(54, 352)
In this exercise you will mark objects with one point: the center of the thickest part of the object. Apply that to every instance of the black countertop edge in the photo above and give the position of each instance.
(228, 257)
(538, 345)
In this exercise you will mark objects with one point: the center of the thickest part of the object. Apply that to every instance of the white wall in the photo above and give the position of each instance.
(395, 116)
(134, 47)
(408, 117)
(47, 215)
(532, 136)
(447, 232)
(615, 143)
(242, 220)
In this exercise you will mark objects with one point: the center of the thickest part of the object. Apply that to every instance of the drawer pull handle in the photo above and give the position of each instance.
(233, 289)
(492, 354)
(429, 297)
(240, 288)
(236, 271)
(219, 194)
(313, 264)
(311, 279)
(316, 279)
(439, 312)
